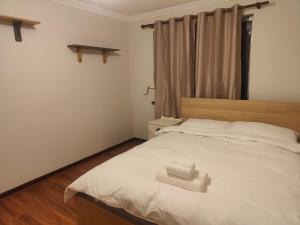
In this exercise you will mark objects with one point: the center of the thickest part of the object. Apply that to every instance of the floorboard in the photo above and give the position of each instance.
(42, 203)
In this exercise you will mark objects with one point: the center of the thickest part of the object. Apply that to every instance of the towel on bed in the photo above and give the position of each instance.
(197, 184)
(181, 169)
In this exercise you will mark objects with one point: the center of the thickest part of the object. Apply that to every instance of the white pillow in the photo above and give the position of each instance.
(207, 124)
(265, 130)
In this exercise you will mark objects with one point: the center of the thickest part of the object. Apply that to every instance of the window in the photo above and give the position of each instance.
(245, 57)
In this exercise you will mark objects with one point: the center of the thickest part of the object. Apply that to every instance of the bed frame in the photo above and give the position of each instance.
(284, 114)
(91, 212)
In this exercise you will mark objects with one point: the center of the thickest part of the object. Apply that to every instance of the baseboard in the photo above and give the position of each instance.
(18, 188)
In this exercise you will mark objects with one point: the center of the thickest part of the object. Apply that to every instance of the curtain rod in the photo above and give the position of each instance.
(257, 5)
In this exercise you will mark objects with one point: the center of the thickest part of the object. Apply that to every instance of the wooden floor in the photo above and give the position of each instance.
(42, 203)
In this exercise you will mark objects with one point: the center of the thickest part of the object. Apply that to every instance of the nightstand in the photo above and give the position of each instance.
(156, 125)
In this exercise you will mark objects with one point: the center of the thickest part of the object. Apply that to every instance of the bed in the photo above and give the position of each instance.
(253, 179)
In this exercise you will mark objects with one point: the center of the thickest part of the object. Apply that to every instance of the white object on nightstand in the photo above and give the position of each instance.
(156, 125)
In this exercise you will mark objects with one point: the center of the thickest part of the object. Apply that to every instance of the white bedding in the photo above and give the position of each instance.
(254, 181)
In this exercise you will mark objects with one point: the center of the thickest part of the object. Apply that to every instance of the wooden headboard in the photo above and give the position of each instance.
(283, 114)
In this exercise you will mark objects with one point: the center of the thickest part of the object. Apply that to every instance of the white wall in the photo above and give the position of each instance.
(275, 56)
(54, 110)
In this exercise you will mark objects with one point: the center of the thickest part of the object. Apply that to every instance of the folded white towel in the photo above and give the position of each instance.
(198, 184)
(180, 171)
(183, 169)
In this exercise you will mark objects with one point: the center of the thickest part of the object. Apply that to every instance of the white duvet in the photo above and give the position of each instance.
(254, 181)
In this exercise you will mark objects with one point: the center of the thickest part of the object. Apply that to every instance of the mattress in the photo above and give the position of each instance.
(253, 180)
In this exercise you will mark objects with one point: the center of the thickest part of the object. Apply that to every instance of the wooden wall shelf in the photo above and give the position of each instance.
(17, 23)
(79, 49)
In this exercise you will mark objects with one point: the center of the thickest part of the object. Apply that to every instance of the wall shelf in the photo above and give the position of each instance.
(79, 49)
(17, 23)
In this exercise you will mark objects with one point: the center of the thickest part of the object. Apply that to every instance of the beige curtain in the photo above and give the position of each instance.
(197, 58)
(174, 54)
(218, 55)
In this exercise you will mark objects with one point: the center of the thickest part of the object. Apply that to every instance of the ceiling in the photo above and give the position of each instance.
(133, 7)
